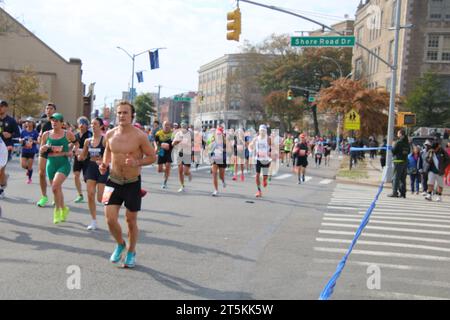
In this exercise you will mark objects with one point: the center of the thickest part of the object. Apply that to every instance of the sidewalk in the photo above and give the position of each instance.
(369, 173)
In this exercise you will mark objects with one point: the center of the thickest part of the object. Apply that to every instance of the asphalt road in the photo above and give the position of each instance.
(194, 246)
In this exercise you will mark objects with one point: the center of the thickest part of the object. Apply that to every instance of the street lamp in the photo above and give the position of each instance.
(333, 60)
(133, 58)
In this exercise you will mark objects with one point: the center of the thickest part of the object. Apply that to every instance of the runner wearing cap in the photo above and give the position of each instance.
(56, 143)
(301, 158)
(261, 146)
(182, 144)
(8, 131)
(163, 139)
(28, 138)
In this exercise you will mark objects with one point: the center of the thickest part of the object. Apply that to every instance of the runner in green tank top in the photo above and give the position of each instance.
(56, 143)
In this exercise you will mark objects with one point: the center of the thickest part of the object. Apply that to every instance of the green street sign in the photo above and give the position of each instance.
(343, 41)
(184, 99)
(312, 99)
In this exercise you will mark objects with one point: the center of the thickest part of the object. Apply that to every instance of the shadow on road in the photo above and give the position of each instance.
(188, 287)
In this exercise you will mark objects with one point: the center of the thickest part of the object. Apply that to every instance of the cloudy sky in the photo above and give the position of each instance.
(193, 31)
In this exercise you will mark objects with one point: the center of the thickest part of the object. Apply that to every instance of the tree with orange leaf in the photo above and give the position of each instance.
(372, 104)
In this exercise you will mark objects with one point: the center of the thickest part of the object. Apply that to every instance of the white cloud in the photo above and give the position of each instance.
(192, 30)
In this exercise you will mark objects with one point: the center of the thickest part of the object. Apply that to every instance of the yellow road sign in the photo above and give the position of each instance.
(352, 121)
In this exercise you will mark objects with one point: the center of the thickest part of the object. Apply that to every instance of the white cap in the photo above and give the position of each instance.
(263, 127)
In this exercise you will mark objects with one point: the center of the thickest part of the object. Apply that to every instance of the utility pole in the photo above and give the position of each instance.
(390, 137)
(158, 114)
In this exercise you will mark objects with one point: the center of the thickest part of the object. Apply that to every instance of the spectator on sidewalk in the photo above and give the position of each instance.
(400, 153)
(447, 170)
(413, 169)
(424, 166)
(383, 154)
(373, 144)
(438, 160)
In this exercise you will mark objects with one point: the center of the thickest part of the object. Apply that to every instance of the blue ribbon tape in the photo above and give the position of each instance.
(329, 288)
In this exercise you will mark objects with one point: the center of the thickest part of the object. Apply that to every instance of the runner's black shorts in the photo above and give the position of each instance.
(167, 158)
(92, 173)
(262, 165)
(79, 166)
(301, 162)
(27, 155)
(129, 193)
(221, 165)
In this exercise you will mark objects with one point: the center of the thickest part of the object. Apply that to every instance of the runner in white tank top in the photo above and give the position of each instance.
(262, 149)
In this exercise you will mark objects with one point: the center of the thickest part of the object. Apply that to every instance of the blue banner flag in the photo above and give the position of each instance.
(154, 60)
(140, 76)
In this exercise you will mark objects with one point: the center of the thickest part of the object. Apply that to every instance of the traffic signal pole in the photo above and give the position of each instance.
(388, 173)
(393, 67)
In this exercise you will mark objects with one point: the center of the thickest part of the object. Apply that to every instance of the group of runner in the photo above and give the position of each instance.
(111, 162)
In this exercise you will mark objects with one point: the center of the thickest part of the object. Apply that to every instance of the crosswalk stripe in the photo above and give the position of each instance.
(387, 244)
(283, 176)
(378, 221)
(386, 254)
(342, 207)
(420, 206)
(370, 227)
(408, 230)
(385, 236)
(403, 214)
(381, 265)
(386, 217)
(326, 181)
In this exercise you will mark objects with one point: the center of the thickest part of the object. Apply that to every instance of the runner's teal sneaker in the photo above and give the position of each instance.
(79, 199)
(118, 253)
(42, 202)
(130, 260)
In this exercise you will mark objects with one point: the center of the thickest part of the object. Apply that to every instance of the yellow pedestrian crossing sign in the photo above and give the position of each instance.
(352, 121)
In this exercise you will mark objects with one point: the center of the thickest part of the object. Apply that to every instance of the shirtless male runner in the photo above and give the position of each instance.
(127, 150)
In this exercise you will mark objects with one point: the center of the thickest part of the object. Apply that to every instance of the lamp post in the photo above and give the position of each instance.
(338, 65)
(133, 59)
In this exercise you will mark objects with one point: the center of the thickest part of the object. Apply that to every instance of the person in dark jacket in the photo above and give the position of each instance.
(383, 154)
(400, 153)
(438, 160)
(413, 169)
(424, 166)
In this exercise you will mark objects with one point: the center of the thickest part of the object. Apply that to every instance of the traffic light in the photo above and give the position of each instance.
(405, 119)
(290, 95)
(234, 25)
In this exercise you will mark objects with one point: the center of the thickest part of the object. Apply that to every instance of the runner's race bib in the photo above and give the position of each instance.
(107, 195)
(94, 152)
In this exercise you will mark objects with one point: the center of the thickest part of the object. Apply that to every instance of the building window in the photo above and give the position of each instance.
(439, 10)
(432, 55)
(360, 34)
(433, 41)
(438, 48)
(358, 68)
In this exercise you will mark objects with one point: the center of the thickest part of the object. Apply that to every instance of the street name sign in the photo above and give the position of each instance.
(343, 41)
(185, 99)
